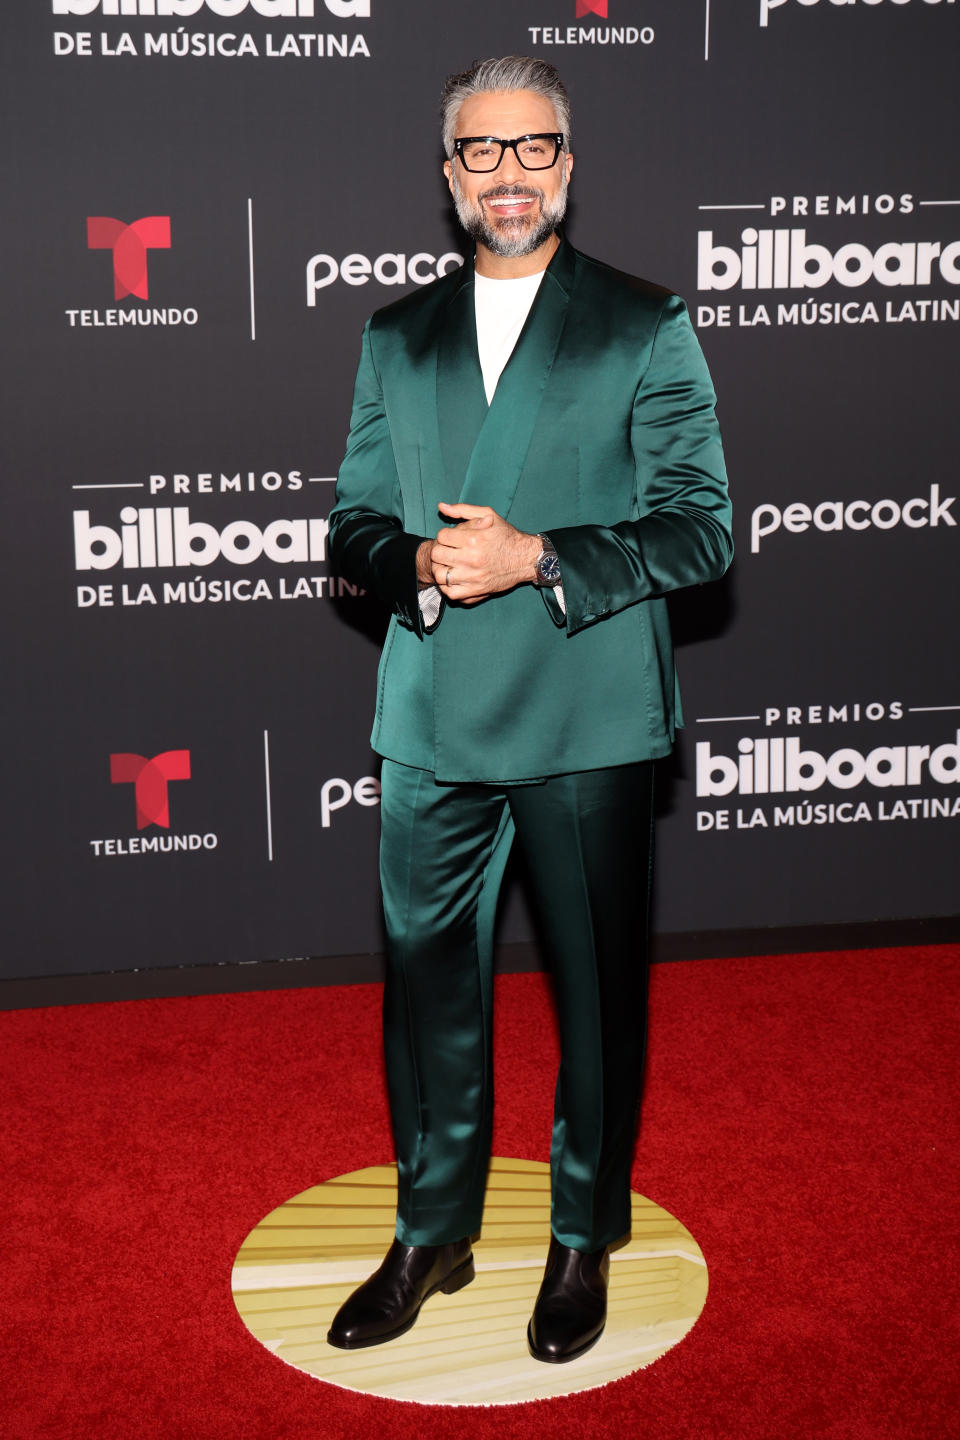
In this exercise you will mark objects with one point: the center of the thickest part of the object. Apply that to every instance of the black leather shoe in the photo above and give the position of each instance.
(571, 1309)
(389, 1302)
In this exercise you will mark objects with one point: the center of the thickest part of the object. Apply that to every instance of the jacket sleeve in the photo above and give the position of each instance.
(367, 541)
(681, 535)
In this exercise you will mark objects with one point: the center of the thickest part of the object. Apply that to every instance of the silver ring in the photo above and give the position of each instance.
(449, 572)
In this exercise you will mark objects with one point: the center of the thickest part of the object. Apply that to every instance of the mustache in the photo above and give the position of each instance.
(529, 191)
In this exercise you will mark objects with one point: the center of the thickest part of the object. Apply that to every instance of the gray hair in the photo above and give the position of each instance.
(513, 72)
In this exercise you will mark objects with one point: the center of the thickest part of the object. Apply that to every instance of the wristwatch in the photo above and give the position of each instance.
(547, 564)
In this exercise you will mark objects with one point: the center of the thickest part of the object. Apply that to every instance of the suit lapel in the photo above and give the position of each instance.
(501, 446)
(461, 401)
(483, 448)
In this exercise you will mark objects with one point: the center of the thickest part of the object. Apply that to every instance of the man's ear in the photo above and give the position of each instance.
(448, 172)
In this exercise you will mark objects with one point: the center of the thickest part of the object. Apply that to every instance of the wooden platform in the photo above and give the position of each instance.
(302, 1260)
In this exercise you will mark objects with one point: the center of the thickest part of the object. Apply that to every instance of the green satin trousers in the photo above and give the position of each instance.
(587, 844)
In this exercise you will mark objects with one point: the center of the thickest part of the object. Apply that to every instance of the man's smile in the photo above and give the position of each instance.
(507, 203)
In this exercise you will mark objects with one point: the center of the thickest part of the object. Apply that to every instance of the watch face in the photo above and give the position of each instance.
(548, 568)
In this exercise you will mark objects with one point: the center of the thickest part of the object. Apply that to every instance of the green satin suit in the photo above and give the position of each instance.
(517, 716)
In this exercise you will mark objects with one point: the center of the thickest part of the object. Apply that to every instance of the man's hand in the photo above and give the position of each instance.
(424, 568)
(482, 556)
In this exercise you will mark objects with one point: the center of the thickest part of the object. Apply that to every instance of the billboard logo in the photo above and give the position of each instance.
(129, 244)
(151, 780)
(166, 537)
(782, 259)
(777, 765)
(227, 9)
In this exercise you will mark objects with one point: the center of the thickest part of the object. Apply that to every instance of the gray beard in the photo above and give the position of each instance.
(514, 237)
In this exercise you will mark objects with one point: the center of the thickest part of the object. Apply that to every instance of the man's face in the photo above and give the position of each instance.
(510, 210)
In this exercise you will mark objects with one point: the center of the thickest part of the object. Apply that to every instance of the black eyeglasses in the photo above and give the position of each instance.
(485, 152)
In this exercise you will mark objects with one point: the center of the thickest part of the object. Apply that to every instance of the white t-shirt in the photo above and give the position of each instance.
(502, 307)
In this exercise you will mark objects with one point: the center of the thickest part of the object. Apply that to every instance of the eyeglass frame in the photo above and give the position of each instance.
(505, 145)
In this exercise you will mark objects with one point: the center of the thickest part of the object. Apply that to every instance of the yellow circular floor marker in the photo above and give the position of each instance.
(301, 1262)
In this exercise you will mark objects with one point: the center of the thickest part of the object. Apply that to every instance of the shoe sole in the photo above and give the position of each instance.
(561, 1359)
(455, 1281)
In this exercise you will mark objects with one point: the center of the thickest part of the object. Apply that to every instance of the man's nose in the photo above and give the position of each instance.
(510, 171)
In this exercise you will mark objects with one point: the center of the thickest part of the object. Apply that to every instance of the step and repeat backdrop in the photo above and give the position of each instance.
(204, 201)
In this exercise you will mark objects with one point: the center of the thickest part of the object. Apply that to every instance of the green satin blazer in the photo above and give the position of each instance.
(602, 434)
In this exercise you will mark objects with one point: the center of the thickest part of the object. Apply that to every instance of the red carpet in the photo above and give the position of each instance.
(800, 1118)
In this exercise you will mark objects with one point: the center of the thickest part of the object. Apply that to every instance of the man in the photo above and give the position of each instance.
(556, 419)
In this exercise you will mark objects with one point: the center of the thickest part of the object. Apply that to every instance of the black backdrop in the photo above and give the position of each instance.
(788, 167)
